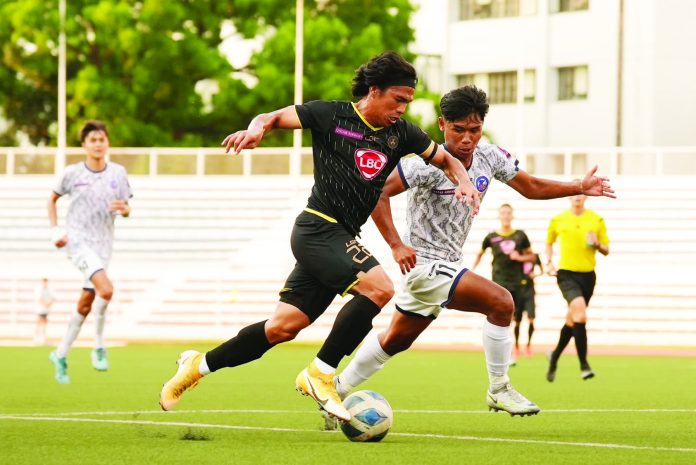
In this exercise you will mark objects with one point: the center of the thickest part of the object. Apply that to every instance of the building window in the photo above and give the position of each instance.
(572, 83)
(529, 85)
(501, 87)
(563, 6)
(485, 9)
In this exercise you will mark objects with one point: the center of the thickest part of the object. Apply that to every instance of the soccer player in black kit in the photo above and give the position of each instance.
(355, 148)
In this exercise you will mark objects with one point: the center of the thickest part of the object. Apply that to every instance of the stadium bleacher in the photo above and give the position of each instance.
(201, 257)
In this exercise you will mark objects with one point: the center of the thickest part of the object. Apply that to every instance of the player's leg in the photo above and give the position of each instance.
(248, 345)
(376, 350)
(474, 293)
(40, 336)
(340, 263)
(517, 317)
(530, 308)
(570, 289)
(59, 356)
(103, 292)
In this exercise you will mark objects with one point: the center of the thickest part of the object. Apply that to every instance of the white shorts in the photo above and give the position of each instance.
(88, 262)
(429, 288)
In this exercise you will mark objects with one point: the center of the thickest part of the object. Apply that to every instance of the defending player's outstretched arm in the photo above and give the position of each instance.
(541, 188)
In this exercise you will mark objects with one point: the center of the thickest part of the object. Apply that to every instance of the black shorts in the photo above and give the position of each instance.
(328, 262)
(523, 298)
(575, 284)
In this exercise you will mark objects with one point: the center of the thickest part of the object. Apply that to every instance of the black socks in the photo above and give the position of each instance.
(248, 345)
(352, 324)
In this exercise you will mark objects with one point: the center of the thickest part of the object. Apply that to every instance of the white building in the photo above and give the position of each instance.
(595, 73)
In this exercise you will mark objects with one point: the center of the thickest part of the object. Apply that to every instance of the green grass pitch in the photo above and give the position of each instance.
(638, 410)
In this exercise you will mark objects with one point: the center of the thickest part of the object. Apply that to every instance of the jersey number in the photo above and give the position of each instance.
(360, 253)
(440, 269)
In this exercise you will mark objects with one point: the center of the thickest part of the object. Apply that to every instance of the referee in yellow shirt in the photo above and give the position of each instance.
(582, 233)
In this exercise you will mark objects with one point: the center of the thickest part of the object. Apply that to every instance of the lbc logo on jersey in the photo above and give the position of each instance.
(370, 163)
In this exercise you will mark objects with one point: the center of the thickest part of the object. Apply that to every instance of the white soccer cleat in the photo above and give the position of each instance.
(99, 360)
(506, 398)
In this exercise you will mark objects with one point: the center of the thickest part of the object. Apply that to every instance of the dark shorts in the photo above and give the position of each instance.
(523, 296)
(575, 284)
(328, 262)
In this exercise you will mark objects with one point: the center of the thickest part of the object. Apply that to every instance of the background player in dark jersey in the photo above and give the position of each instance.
(355, 147)
(528, 302)
(511, 251)
(430, 254)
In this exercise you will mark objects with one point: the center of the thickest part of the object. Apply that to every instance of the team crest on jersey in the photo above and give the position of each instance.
(370, 163)
(114, 184)
(393, 142)
(481, 183)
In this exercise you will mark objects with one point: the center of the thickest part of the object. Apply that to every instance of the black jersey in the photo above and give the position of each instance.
(352, 159)
(507, 272)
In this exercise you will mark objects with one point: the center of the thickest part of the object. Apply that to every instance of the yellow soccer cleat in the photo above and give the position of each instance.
(186, 377)
(320, 387)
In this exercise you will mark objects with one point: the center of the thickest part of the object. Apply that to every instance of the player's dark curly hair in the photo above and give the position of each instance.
(382, 71)
(92, 125)
(462, 102)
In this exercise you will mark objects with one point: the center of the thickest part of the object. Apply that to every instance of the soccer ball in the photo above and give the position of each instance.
(371, 417)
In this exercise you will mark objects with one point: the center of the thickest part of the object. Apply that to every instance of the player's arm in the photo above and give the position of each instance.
(58, 236)
(404, 255)
(533, 187)
(455, 172)
(526, 256)
(284, 118)
(478, 258)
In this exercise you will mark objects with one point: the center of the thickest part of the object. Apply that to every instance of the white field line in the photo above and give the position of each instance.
(296, 430)
(305, 412)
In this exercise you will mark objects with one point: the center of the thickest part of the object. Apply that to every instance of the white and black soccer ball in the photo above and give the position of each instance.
(371, 417)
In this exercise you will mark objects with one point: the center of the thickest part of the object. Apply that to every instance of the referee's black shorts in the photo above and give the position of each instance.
(575, 284)
(328, 262)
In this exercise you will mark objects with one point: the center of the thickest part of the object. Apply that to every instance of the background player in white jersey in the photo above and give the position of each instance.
(44, 302)
(430, 255)
(99, 191)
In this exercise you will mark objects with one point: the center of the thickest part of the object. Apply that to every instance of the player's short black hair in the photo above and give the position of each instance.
(92, 125)
(462, 102)
(384, 70)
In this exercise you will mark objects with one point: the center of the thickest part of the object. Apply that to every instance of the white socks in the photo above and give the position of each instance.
(99, 309)
(369, 359)
(203, 366)
(74, 326)
(497, 345)
(323, 367)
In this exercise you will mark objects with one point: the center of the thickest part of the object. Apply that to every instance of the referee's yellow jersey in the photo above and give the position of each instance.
(576, 254)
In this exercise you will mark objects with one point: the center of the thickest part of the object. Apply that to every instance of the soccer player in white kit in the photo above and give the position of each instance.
(430, 254)
(99, 192)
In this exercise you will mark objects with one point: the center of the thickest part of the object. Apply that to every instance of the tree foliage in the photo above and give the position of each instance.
(136, 64)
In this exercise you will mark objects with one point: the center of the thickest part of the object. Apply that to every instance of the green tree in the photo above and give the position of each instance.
(136, 64)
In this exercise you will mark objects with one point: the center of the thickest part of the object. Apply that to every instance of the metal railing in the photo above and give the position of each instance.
(156, 161)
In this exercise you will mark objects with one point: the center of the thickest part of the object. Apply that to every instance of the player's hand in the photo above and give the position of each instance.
(596, 186)
(515, 256)
(405, 256)
(467, 193)
(58, 237)
(119, 207)
(247, 139)
(551, 270)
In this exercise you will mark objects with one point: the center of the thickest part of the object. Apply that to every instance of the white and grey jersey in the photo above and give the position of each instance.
(89, 220)
(436, 222)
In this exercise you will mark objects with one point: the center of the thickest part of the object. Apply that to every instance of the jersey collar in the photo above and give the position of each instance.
(355, 107)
